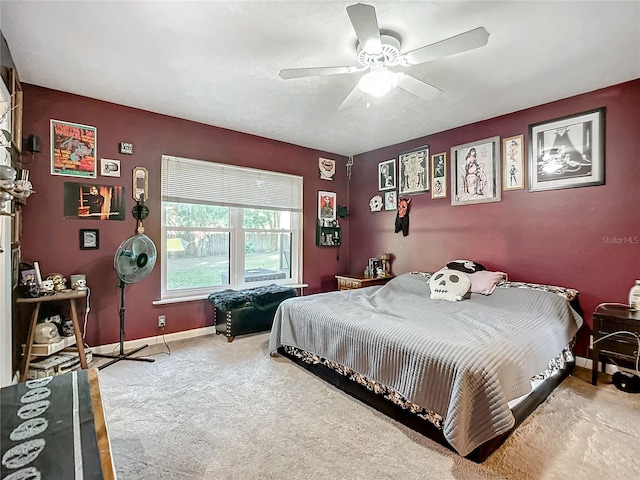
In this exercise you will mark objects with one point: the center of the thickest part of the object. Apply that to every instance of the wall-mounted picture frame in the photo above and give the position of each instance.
(326, 168)
(89, 239)
(17, 100)
(16, 256)
(391, 200)
(73, 149)
(387, 175)
(513, 163)
(439, 175)
(567, 152)
(109, 167)
(94, 201)
(475, 172)
(326, 206)
(413, 168)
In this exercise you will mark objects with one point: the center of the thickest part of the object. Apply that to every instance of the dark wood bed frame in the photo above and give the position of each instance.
(481, 453)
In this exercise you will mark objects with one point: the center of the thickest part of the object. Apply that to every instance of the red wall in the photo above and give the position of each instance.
(555, 237)
(53, 241)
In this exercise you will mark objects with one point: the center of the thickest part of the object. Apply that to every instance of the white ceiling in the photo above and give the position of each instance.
(217, 62)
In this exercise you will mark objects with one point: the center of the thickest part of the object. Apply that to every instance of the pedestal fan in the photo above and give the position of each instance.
(133, 261)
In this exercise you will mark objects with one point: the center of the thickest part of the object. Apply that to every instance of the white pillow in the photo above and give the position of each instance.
(450, 285)
(485, 281)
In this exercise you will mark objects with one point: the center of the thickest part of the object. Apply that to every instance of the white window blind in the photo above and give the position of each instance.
(196, 181)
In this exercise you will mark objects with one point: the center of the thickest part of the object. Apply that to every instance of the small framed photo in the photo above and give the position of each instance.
(89, 239)
(109, 168)
(326, 206)
(475, 172)
(567, 152)
(387, 175)
(391, 200)
(439, 175)
(513, 163)
(28, 276)
(413, 166)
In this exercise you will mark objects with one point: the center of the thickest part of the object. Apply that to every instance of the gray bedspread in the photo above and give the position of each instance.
(463, 360)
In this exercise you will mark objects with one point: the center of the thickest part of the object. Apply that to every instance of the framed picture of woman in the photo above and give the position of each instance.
(387, 175)
(475, 172)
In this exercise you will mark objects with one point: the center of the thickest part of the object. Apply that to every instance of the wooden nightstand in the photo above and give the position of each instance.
(609, 319)
(358, 280)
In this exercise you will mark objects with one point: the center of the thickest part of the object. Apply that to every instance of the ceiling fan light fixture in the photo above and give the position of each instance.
(378, 82)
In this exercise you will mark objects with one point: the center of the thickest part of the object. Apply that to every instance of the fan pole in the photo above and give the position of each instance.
(122, 355)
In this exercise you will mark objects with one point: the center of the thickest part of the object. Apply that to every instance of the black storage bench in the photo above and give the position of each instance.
(238, 312)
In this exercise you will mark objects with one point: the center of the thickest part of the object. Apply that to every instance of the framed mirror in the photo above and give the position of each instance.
(140, 184)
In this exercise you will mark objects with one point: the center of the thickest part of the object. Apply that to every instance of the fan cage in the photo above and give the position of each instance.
(125, 259)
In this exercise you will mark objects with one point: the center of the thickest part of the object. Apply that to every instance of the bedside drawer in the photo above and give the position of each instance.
(347, 284)
(619, 347)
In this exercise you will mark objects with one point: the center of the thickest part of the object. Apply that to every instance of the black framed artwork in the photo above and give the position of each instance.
(413, 166)
(567, 152)
(387, 175)
(89, 239)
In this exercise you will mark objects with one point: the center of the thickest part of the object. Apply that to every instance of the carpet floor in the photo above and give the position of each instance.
(218, 410)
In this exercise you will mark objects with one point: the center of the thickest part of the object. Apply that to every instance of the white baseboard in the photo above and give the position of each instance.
(132, 344)
(611, 369)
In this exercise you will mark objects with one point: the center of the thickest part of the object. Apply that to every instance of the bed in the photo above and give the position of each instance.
(464, 373)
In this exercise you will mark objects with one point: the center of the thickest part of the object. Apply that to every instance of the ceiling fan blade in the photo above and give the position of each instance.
(418, 87)
(365, 23)
(289, 73)
(475, 38)
(352, 98)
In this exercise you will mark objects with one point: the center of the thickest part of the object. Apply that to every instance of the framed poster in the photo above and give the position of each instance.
(513, 163)
(439, 175)
(387, 175)
(326, 206)
(567, 152)
(414, 171)
(475, 172)
(73, 149)
(97, 202)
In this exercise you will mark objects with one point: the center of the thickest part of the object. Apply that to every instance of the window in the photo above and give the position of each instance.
(228, 227)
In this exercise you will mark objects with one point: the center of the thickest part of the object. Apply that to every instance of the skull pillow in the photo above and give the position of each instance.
(450, 285)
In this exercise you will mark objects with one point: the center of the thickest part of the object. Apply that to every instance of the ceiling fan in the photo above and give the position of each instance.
(376, 52)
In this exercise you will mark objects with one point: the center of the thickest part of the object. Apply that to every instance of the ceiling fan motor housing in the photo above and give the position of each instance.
(390, 54)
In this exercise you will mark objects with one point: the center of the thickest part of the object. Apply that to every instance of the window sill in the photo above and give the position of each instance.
(168, 301)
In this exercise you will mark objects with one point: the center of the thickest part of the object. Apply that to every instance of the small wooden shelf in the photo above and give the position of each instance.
(328, 236)
(70, 296)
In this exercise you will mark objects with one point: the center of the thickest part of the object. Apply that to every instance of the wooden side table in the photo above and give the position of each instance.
(358, 280)
(71, 297)
(609, 319)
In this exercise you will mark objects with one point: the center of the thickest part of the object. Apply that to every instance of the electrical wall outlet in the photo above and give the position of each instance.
(162, 321)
